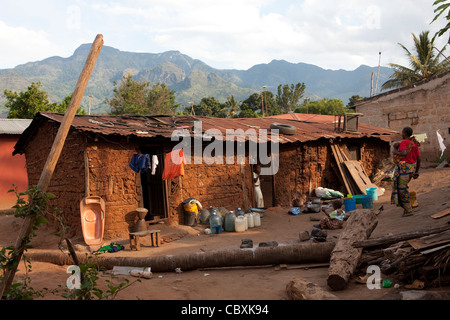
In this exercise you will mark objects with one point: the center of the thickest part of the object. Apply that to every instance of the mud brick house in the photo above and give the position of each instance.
(12, 168)
(97, 152)
(423, 106)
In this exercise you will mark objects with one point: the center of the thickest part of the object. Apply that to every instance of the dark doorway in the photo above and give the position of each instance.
(266, 187)
(154, 190)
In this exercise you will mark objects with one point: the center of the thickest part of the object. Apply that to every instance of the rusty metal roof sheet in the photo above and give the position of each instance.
(162, 126)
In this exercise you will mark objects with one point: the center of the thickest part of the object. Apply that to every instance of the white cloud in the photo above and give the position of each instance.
(231, 33)
(20, 45)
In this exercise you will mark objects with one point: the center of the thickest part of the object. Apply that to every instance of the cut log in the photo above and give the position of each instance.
(388, 240)
(302, 289)
(288, 254)
(345, 257)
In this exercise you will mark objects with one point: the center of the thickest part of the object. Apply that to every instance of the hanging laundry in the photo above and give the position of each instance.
(174, 165)
(140, 162)
(155, 163)
(441, 143)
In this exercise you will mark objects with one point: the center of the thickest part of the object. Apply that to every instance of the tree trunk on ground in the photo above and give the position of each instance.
(345, 257)
(301, 289)
(388, 240)
(286, 254)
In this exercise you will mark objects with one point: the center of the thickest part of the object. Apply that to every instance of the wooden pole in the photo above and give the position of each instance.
(53, 156)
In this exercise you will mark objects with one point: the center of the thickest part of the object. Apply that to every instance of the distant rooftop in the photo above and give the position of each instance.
(13, 126)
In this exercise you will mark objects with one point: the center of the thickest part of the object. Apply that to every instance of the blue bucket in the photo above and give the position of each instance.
(350, 204)
(372, 192)
(367, 202)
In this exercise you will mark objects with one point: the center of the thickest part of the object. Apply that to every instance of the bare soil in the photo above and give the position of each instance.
(266, 283)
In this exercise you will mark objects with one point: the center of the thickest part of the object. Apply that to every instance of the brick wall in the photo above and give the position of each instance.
(424, 107)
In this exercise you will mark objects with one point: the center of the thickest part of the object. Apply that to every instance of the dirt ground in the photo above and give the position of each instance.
(268, 283)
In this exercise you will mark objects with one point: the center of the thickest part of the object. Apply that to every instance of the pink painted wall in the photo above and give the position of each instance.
(12, 171)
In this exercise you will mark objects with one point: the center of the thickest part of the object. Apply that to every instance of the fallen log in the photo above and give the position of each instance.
(287, 254)
(345, 257)
(388, 240)
(302, 289)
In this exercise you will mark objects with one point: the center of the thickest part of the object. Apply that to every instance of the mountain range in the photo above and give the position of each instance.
(190, 78)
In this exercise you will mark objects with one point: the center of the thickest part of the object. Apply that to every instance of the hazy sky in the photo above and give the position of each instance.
(226, 34)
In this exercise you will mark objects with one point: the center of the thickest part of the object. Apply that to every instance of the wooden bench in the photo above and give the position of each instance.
(134, 238)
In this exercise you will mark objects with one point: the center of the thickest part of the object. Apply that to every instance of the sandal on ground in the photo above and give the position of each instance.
(417, 284)
(362, 279)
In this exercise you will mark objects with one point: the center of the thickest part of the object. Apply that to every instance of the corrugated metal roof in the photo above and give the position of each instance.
(319, 118)
(164, 125)
(13, 126)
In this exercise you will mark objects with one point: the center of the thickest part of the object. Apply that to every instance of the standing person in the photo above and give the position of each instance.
(257, 186)
(406, 169)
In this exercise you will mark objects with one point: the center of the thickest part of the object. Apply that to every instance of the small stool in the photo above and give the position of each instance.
(134, 238)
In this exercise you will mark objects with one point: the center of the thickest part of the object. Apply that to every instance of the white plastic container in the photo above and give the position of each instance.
(256, 219)
(250, 222)
(240, 224)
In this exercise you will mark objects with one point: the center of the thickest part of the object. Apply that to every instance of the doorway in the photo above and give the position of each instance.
(154, 188)
(266, 182)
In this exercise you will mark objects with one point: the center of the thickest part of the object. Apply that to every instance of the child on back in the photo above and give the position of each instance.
(396, 158)
(333, 220)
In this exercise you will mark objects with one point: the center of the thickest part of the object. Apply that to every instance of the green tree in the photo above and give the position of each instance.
(232, 105)
(270, 104)
(288, 96)
(136, 97)
(443, 5)
(161, 100)
(325, 106)
(354, 99)
(210, 107)
(25, 104)
(249, 108)
(424, 63)
(129, 97)
(62, 107)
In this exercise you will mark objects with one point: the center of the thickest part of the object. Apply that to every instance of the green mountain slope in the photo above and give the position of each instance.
(192, 79)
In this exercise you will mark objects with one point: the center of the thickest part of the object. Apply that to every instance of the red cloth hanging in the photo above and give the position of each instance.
(174, 164)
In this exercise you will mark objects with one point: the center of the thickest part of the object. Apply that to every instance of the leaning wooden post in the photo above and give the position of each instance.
(53, 156)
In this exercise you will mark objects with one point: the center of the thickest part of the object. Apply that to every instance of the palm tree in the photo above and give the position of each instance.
(424, 64)
(232, 106)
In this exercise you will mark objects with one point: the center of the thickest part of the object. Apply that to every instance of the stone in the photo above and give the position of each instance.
(319, 234)
(304, 236)
(246, 243)
(268, 244)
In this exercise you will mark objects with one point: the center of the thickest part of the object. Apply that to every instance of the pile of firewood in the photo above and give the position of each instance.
(413, 258)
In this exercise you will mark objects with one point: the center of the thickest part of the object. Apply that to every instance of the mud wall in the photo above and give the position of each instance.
(67, 183)
(305, 167)
(92, 165)
(218, 185)
(111, 178)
